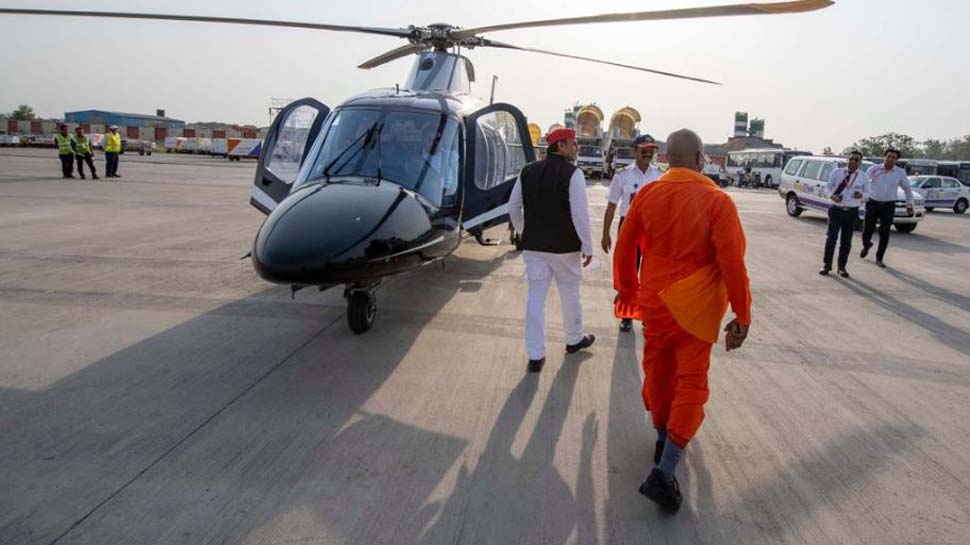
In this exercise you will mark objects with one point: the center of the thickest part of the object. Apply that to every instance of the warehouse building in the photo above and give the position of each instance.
(133, 126)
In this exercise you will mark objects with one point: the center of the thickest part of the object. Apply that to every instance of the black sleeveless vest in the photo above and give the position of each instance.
(545, 199)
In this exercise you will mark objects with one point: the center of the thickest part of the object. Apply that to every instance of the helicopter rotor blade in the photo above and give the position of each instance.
(493, 43)
(393, 54)
(396, 32)
(796, 6)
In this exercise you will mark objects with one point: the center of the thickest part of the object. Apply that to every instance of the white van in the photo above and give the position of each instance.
(803, 186)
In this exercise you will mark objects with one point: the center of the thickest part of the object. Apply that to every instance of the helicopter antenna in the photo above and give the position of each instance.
(491, 99)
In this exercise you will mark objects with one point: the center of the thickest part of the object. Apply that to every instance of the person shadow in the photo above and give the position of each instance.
(950, 297)
(954, 337)
(518, 499)
(769, 510)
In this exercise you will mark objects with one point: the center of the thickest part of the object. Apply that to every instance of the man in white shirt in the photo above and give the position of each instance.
(549, 207)
(884, 181)
(624, 187)
(846, 188)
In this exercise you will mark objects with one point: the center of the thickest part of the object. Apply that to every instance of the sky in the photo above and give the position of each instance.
(825, 78)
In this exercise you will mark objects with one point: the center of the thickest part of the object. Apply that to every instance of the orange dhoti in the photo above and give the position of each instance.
(675, 389)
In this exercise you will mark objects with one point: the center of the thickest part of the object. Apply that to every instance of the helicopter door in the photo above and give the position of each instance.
(498, 145)
(285, 147)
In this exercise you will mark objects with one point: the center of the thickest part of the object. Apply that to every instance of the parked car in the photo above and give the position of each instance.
(803, 187)
(942, 191)
(143, 147)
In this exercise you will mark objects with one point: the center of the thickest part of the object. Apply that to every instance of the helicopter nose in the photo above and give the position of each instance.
(334, 233)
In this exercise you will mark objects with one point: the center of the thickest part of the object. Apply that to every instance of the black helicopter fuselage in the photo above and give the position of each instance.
(355, 213)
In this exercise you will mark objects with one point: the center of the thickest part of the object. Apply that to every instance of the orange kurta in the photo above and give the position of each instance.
(689, 231)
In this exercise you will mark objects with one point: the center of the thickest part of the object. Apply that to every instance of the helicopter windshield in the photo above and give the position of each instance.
(416, 150)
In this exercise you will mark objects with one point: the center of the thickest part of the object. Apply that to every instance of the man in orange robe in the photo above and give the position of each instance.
(693, 245)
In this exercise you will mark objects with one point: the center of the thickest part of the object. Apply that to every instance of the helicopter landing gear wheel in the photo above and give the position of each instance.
(361, 310)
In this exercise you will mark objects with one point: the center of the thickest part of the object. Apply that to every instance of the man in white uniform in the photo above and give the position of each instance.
(548, 206)
(847, 188)
(624, 187)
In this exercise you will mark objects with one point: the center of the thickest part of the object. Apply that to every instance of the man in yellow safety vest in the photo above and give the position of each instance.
(112, 147)
(65, 150)
(84, 153)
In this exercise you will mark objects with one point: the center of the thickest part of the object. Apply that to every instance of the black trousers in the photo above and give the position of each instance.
(81, 159)
(67, 165)
(841, 223)
(110, 163)
(883, 212)
(620, 226)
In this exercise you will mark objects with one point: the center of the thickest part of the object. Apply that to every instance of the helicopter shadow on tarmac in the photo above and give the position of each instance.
(225, 424)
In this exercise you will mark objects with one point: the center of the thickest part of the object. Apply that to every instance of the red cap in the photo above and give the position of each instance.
(560, 134)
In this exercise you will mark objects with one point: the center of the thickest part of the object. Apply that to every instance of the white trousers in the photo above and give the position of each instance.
(540, 269)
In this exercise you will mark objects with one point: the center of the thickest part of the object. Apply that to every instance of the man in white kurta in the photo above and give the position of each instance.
(549, 207)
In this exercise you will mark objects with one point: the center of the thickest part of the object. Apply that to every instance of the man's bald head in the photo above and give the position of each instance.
(685, 149)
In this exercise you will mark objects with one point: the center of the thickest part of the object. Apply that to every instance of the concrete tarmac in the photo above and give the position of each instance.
(153, 390)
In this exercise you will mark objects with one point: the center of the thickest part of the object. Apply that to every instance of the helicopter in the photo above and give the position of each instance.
(391, 179)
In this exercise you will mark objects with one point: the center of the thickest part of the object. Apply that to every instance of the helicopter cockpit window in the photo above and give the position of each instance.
(499, 149)
(287, 153)
(416, 150)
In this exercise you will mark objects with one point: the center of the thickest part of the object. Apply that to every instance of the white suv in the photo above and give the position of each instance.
(803, 186)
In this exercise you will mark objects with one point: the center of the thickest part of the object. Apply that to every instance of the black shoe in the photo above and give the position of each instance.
(865, 251)
(82, 177)
(665, 494)
(536, 365)
(626, 324)
(117, 175)
(880, 263)
(843, 273)
(824, 271)
(94, 177)
(585, 342)
(658, 451)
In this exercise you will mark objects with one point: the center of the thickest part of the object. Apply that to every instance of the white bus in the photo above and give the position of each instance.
(955, 169)
(918, 167)
(758, 167)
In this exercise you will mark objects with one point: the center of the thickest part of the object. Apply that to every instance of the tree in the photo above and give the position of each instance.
(959, 150)
(876, 146)
(23, 113)
(934, 149)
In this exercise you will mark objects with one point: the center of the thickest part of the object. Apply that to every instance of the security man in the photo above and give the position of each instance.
(549, 207)
(624, 187)
(112, 147)
(847, 188)
(65, 150)
(83, 153)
